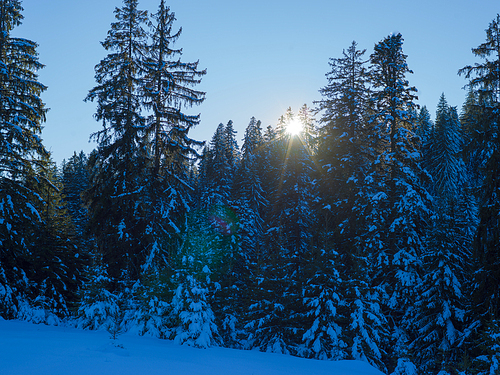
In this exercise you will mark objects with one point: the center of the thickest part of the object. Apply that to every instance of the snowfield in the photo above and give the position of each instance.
(29, 349)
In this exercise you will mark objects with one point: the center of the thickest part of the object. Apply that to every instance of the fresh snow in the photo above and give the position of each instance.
(27, 348)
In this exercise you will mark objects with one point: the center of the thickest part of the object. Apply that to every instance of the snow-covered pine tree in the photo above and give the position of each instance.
(75, 180)
(233, 155)
(153, 297)
(345, 153)
(219, 167)
(21, 115)
(168, 192)
(269, 322)
(439, 313)
(471, 155)
(191, 307)
(217, 219)
(276, 315)
(211, 241)
(56, 271)
(249, 205)
(116, 167)
(265, 312)
(250, 197)
(454, 185)
(424, 127)
(489, 346)
(470, 120)
(446, 166)
(309, 131)
(168, 89)
(202, 264)
(468, 210)
(97, 304)
(485, 82)
(325, 308)
(398, 204)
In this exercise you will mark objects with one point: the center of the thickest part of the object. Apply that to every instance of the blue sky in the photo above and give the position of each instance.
(261, 56)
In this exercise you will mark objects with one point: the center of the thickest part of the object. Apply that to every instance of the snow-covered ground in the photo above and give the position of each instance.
(29, 349)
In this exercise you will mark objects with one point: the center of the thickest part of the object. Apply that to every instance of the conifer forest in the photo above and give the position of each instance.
(361, 228)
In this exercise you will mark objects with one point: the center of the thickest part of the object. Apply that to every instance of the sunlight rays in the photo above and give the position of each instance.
(294, 126)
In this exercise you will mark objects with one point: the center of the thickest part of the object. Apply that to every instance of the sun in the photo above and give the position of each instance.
(294, 127)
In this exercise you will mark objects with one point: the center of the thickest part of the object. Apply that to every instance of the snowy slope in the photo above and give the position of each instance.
(31, 349)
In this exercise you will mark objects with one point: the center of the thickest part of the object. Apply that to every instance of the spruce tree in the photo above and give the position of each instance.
(191, 307)
(288, 238)
(249, 204)
(116, 220)
(446, 167)
(57, 263)
(398, 205)
(440, 308)
(343, 149)
(218, 217)
(485, 82)
(168, 153)
(470, 121)
(21, 115)
(424, 127)
(75, 181)
(471, 155)
(168, 89)
(345, 152)
(219, 167)
(97, 304)
(325, 307)
(39, 270)
(439, 311)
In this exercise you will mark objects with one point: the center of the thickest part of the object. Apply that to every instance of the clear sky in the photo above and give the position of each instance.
(262, 56)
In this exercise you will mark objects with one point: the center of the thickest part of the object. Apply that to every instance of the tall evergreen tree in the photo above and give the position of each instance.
(21, 115)
(399, 205)
(288, 239)
(308, 132)
(116, 220)
(232, 150)
(219, 215)
(219, 168)
(470, 121)
(56, 272)
(446, 167)
(439, 311)
(169, 152)
(169, 91)
(38, 266)
(291, 219)
(424, 127)
(249, 205)
(248, 190)
(440, 307)
(485, 81)
(345, 153)
(75, 181)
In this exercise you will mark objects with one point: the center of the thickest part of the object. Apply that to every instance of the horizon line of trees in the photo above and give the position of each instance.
(373, 234)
